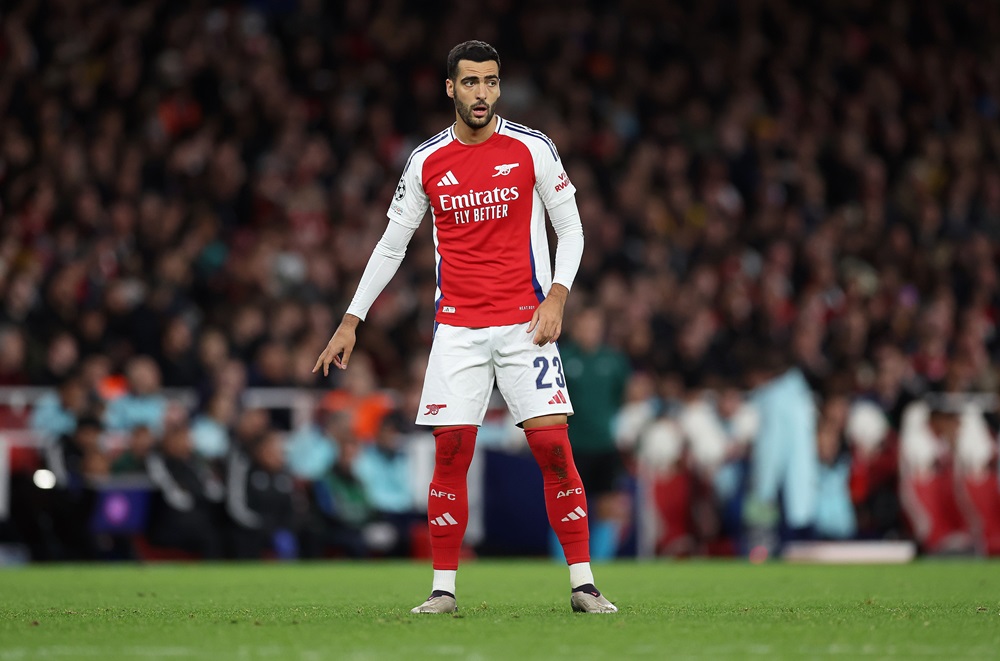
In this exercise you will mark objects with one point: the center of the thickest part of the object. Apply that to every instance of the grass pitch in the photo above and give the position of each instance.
(508, 610)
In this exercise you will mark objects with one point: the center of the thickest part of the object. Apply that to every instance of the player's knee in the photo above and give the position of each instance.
(453, 449)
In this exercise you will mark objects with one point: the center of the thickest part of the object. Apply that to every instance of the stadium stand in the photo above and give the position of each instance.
(197, 186)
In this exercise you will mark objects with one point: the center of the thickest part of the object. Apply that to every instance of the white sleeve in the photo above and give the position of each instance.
(409, 201)
(565, 218)
(382, 265)
(551, 181)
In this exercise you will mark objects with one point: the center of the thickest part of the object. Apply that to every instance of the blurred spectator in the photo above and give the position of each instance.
(719, 436)
(874, 471)
(140, 441)
(260, 500)
(383, 469)
(835, 518)
(344, 518)
(55, 413)
(927, 480)
(360, 395)
(213, 354)
(143, 404)
(311, 450)
(61, 359)
(13, 357)
(251, 426)
(668, 484)
(185, 514)
(210, 429)
(177, 357)
(740, 421)
(976, 480)
(782, 494)
(77, 462)
(596, 375)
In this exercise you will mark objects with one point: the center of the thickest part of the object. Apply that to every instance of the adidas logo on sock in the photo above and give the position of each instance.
(560, 398)
(448, 179)
(575, 515)
(446, 519)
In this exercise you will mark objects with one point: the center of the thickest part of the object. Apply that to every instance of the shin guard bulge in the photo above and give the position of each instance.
(448, 497)
(565, 500)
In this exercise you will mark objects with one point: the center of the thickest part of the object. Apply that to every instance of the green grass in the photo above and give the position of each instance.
(509, 610)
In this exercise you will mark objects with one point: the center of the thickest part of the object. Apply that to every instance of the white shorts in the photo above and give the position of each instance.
(464, 362)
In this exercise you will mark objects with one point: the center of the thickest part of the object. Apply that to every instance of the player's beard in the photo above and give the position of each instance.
(473, 122)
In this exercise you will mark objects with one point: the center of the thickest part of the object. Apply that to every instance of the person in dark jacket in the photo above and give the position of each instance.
(260, 500)
(76, 462)
(185, 513)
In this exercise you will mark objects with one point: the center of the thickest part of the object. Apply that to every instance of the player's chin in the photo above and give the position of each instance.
(478, 121)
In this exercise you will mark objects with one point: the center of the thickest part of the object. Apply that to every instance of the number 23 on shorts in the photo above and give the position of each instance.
(542, 363)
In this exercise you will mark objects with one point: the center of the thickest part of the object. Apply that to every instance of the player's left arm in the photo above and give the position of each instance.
(546, 322)
(558, 196)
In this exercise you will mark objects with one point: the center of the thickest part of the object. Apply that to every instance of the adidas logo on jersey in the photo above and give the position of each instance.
(447, 519)
(448, 179)
(575, 515)
(560, 398)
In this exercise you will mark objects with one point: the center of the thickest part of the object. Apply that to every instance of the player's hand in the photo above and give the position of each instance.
(338, 349)
(547, 320)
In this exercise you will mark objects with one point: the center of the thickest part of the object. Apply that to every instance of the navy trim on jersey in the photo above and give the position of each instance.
(434, 138)
(535, 134)
(437, 303)
(430, 142)
(531, 130)
(534, 279)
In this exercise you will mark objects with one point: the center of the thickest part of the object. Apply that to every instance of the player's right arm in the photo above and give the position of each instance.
(338, 349)
(408, 207)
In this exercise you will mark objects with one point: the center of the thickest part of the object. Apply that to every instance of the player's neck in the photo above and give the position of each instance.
(470, 136)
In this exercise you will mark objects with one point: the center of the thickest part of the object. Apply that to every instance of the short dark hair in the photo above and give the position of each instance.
(474, 51)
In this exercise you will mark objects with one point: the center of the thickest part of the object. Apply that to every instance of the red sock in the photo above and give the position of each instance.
(448, 497)
(565, 500)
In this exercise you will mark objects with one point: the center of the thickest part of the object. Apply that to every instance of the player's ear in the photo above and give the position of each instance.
(449, 88)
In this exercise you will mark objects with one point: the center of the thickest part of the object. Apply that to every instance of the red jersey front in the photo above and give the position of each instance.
(488, 203)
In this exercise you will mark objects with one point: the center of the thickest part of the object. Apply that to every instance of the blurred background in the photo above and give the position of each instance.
(784, 328)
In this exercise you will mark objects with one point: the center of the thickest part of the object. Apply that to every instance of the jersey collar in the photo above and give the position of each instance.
(496, 129)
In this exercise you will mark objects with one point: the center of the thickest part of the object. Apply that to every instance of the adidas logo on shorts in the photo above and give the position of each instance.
(560, 398)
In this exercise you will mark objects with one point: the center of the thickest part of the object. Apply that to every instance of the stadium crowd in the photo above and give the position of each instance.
(792, 214)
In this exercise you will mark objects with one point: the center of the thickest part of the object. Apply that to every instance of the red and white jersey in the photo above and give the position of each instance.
(488, 203)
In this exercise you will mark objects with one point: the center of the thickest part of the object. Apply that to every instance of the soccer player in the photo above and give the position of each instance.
(499, 308)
